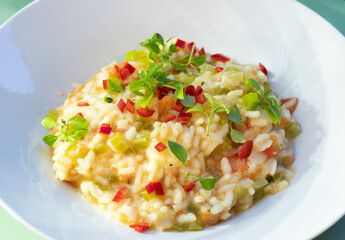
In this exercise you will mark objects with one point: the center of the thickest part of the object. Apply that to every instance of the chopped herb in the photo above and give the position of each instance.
(236, 136)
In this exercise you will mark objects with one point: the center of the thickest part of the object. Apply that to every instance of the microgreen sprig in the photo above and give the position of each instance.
(113, 85)
(194, 62)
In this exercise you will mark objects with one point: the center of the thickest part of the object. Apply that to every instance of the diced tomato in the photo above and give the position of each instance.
(184, 118)
(262, 68)
(237, 164)
(200, 98)
(130, 106)
(198, 90)
(202, 52)
(145, 112)
(177, 106)
(150, 188)
(120, 194)
(121, 105)
(166, 90)
(79, 114)
(219, 69)
(170, 117)
(190, 47)
(271, 152)
(140, 226)
(219, 57)
(290, 104)
(83, 104)
(159, 94)
(160, 147)
(105, 128)
(189, 187)
(180, 43)
(105, 86)
(190, 90)
(158, 188)
(246, 149)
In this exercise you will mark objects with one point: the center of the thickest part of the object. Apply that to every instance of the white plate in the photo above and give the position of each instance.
(51, 44)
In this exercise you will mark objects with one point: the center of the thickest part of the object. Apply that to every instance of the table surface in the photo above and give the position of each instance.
(332, 10)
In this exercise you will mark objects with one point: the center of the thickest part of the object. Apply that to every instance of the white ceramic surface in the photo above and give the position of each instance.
(51, 44)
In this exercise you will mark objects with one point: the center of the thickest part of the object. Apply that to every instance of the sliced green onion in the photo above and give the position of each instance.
(195, 226)
(258, 194)
(100, 148)
(177, 227)
(279, 177)
(260, 183)
(240, 192)
(118, 142)
(192, 208)
(293, 130)
(147, 196)
(141, 140)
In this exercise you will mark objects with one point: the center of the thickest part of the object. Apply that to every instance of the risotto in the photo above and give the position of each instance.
(174, 139)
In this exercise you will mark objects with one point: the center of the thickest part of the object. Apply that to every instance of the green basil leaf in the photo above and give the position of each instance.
(273, 113)
(50, 139)
(187, 101)
(179, 94)
(49, 122)
(250, 101)
(177, 66)
(207, 183)
(237, 136)
(114, 85)
(200, 60)
(79, 134)
(179, 152)
(172, 48)
(182, 59)
(145, 100)
(210, 98)
(235, 115)
(159, 38)
(154, 47)
(253, 83)
(78, 122)
(268, 92)
(196, 109)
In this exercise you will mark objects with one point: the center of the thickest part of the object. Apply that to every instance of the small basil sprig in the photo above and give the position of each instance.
(235, 117)
(113, 85)
(191, 61)
(74, 129)
(182, 155)
(254, 99)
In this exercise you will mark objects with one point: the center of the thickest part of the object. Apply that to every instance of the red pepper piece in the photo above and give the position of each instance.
(198, 90)
(159, 94)
(129, 67)
(83, 104)
(290, 104)
(177, 106)
(200, 98)
(140, 226)
(219, 57)
(130, 106)
(145, 112)
(105, 128)
(190, 46)
(246, 149)
(150, 188)
(121, 105)
(184, 118)
(125, 71)
(271, 152)
(79, 114)
(160, 147)
(237, 164)
(202, 52)
(180, 43)
(170, 117)
(166, 89)
(189, 187)
(219, 69)
(105, 86)
(262, 68)
(190, 90)
(120, 194)
(158, 188)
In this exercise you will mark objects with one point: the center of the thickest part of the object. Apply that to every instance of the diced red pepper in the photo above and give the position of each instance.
(180, 43)
(177, 106)
(200, 98)
(158, 188)
(190, 47)
(120, 194)
(140, 226)
(198, 90)
(121, 105)
(219, 57)
(105, 86)
(189, 187)
(159, 94)
(160, 147)
(246, 149)
(219, 69)
(150, 188)
(105, 128)
(237, 164)
(129, 67)
(190, 90)
(166, 89)
(79, 114)
(184, 118)
(262, 68)
(125, 71)
(170, 117)
(83, 104)
(145, 112)
(130, 106)
(202, 52)
(271, 152)
(290, 104)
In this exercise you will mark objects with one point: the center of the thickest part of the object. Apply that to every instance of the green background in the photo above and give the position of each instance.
(332, 10)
